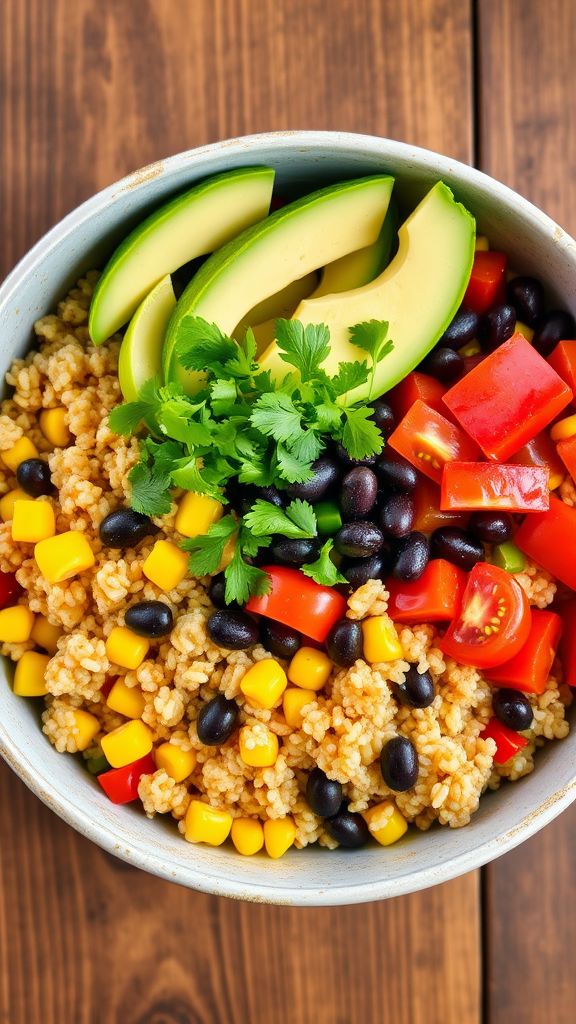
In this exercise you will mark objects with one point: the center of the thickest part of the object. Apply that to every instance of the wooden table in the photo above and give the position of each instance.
(88, 92)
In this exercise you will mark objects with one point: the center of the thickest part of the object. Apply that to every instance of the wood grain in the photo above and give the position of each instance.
(527, 98)
(87, 93)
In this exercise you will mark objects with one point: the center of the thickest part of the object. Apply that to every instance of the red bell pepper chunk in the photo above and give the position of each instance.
(563, 360)
(507, 741)
(10, 589)
(529, 670)
(541, 451)
(484, 485)
(428, 440)
(487, 284)
(435, 597)
(121, 784)
(297, 601)
(568, 641)
(416, 386)
(428, 516)
(567, 452)
(508, 399)
(548, 538)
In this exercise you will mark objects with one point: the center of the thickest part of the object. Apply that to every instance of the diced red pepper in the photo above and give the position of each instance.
(508, 742)
(121, 784)
(568, 642)
(435, 597)
(548, 538)
(563, 360)
(416, 386)
(428, 516)
(567, 452)
(487, 284)
(469, 486)
(297, 601)
(529, 670)
(508, 399)
(541, 451)
(428, 440)
(10, 589)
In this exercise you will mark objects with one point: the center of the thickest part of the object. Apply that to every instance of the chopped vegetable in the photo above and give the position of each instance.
(507, 741)
(309, 669)
(548, 538)
(541, 451)
(529, 670)
(387, 825)
(567, 452)
(264, 683)
(428, 516)
(206, 824)
(494, 619)
(328, 518)
(435, 597)
(66, 555)
(563, 360)
(428, 440)
(121, 784)
(29, 677)
(128, 743)
(299, 602)
(508, 557)
(10, 589)
(487, 283)
(260, 752)
(469, 486)
(381, 641)
(279, 836)
(127, 649)
(416, 386)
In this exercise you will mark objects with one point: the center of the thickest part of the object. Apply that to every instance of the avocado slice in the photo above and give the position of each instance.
(360, 267)
(317, 229)
(418, 294)
(192, 224)
(281, 304)
(141, 348)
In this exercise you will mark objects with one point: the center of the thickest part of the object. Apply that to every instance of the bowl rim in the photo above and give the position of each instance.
(138, 853)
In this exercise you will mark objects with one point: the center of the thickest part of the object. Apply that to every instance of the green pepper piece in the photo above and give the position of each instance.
(328, 518)
(507, 556)
(97, 763)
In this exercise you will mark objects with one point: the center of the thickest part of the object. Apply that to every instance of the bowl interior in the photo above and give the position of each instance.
(313, 876)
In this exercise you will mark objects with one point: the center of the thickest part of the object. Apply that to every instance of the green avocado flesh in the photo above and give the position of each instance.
(361, 267)
(282, 304)
(264, 259)
(141, 348)
(191, 225)
(418, 294)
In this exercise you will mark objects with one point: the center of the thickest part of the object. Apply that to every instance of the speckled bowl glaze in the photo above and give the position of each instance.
(313, 876)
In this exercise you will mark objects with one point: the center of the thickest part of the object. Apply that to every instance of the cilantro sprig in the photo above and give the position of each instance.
(243, 427)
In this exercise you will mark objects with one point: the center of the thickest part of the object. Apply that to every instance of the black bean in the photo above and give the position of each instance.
(324, 795)
(295, 551)
(550, 329)
(411, 556)
(347, 461)
(124, 528)
(527, 296)
(248, 495)
(326, 473)
(399, 764)
(444, 364)
(359, 572)
(344, 642)
(232, 628)
(513, 709)
(217, 720)
(383, 417)
(278, 639)
(33, 475)
(358, 493)
(150, 618)
(497, 326)
(464, 328)
(397, 515)
(417, 690)
(217, 591)
(358, 540)
(456, 546)
(349, 830)
(396, 473)
(491, 527)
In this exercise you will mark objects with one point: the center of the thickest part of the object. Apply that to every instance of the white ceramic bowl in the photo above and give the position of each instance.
(313, 876)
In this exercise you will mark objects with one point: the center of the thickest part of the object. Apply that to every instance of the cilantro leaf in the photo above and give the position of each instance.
(328, 415)
(275, 415)
(307, 448)
(296, 521)
(244, 580)
(187, 474)
(290, 468)
(223, 397)
(150, 494)
(372, 337)
(125, 419)
(349, 376)
(206, 550)
(201, 344)
(361, 436)
(305, 347)
(323, 569)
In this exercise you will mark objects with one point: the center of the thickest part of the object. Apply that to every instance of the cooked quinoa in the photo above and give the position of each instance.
(343, 727)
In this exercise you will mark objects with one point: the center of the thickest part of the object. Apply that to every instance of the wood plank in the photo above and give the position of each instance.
(527, 97)
(87, 94)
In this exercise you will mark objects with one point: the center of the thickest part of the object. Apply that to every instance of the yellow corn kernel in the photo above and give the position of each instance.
(227, 554)
(8, 500)
(61, 557)
(554, 480)
(520, 328)
(264, 683)
(196, 514)
(205, 824)
(260, 752)
(471, 348)
(16, 624)
(386, 823)
(482, 243)
(564, 429)
(166, 565)
(54, 426)
(177, 763)
(247, 835)
(45, 634)
(279, 835)
(309, 668)
(29, 675)
(126, 648)
(23, 449)
(87, 726)
(32, 521)
(293, 702)
(381, 641)
(127, 743)
(126, 700)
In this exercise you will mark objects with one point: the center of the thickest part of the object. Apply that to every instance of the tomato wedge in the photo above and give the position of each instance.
(494, 620)
(548, 538)
(428, 440)
(528, 670)
(416, 386)
(468, 486)
(487, 281)
(435, 597)
(297, 601)
(567, 452)
(507, 741)
(563, 360)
